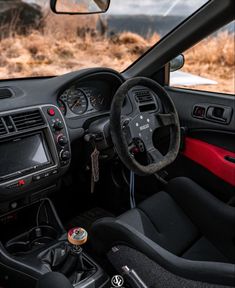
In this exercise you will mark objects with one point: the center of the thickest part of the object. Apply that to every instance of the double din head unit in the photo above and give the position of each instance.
(34, 149)
(23, 155)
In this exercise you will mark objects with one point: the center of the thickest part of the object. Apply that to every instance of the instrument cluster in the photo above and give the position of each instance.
(83, 99)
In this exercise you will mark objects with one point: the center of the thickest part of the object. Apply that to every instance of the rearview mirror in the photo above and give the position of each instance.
(79, 6)
(177, 63)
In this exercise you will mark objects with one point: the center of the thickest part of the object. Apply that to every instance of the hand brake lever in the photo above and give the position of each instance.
(133, 278)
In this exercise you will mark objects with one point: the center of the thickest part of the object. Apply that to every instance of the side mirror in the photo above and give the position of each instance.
(79, 6)
(177, 63)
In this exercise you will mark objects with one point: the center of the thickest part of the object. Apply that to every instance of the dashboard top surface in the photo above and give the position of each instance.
(80, 95)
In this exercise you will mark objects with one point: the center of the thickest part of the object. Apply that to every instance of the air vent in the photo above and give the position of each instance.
(27, 120)
(143, 96)
(3, 129)
(5, 93)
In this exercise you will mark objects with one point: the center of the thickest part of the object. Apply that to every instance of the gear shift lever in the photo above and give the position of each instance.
(76, 237)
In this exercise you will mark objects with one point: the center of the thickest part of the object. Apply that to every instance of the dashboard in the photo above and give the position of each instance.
(41, 117)
(81, 95)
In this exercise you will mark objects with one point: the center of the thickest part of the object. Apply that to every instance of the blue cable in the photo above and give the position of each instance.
(132, 190)
(131, 204)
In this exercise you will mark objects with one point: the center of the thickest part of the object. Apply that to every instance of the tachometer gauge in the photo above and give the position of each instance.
(62, 106)
(77, 101)
(98, 101)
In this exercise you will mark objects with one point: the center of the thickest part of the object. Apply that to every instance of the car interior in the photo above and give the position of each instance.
(105, 173)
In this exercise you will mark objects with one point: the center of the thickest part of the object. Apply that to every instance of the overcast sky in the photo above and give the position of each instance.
(149, 7)
(153, 7)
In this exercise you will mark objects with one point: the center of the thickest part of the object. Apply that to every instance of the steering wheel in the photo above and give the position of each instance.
(141, 125)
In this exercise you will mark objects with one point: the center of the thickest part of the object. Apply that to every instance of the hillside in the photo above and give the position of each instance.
(66, 44)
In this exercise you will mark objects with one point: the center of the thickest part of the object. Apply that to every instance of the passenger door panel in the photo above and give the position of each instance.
(208, 150)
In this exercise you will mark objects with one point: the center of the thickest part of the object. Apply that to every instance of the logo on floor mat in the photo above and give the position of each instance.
(117, 281)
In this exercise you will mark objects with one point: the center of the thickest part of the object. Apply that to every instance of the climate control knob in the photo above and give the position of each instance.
(62, 140)
(65, 155)
(58, 125)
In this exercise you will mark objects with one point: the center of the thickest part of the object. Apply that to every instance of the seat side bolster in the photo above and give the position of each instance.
(108, 232)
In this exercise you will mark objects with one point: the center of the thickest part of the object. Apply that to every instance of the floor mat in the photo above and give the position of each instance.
(86, 219)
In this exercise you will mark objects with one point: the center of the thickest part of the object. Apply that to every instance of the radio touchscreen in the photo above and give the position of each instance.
(22, 154)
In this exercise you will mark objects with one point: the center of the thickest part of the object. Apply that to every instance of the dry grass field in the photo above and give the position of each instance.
(64, 45)
(214, 58)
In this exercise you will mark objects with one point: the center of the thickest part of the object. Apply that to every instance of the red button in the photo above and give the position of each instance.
(135, 150)
(21, 182)
(51, 112)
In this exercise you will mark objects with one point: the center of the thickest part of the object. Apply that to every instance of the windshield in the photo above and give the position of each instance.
(36, 42)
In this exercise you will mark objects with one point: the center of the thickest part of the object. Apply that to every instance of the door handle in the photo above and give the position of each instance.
(230, 159)
(216, 113)
(219, 114)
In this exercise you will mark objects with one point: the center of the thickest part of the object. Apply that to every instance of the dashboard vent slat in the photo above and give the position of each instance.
(24, 119)
(143, 96)
(5, 93)
(27, 120)
(3, 129)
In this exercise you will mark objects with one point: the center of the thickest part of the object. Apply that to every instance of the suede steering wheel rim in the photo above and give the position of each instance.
(150, 120)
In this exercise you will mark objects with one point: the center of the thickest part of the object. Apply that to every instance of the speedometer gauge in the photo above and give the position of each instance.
(77, 101)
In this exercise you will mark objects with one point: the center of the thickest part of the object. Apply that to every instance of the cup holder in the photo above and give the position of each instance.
(31, 240)
(17, 247)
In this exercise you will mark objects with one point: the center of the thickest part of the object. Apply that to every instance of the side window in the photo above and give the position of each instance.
(209, 65)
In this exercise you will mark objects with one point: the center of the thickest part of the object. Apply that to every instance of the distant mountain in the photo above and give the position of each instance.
(142, 24)
(146, 24)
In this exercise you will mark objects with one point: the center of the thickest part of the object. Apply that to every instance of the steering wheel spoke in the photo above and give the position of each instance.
(166, 119)
(155, 154)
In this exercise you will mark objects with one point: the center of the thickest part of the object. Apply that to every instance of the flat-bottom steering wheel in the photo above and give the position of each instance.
(146, 123)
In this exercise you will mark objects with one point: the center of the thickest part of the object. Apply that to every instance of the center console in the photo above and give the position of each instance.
(34, 150)
(34, 153)
(31, 247)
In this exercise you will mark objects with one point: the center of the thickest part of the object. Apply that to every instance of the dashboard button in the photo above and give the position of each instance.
(13, 205)
(58, 125)
(51, 112)
(46, 174)
(54, 172)
(37, 177)
(21, 183)
(62, 140)
(65, 155)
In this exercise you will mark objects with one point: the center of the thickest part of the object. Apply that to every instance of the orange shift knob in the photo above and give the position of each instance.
(77, 236)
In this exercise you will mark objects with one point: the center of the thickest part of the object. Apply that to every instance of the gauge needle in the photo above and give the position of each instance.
(77, 102)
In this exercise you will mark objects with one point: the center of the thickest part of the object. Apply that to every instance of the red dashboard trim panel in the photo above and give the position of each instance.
(212, 158)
